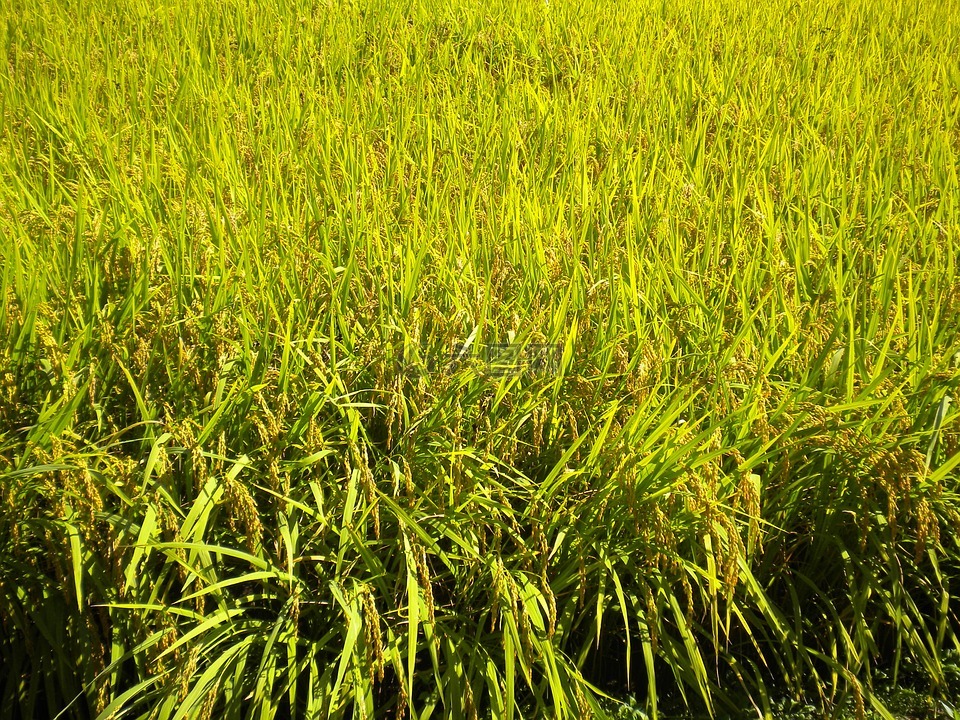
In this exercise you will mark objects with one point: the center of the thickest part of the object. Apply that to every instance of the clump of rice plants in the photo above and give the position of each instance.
(266, 270)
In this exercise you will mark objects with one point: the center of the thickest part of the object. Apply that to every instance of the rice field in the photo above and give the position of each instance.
(398, 358)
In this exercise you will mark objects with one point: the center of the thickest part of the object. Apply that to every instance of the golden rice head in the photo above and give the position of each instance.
(373, 636)
(651, 616)
(242, 513)
(423, 573)
(187, 671)
(928, 529)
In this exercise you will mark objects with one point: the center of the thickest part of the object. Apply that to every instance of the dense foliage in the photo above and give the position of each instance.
(235, 237)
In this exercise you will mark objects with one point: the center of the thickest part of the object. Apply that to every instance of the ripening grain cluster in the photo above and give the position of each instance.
(235, 237)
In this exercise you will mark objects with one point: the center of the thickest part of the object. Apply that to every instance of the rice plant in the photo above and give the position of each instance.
(270, 275)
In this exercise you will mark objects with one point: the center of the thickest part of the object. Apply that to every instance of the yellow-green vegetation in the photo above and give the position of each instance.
(229, 230)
